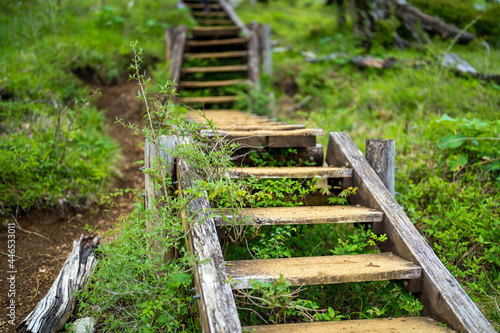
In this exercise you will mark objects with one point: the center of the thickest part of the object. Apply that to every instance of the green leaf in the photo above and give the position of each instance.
(452, 141)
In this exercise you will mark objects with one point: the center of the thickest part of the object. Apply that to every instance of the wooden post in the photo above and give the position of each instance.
(217, 307)
(381, 155)
(264, 32)
(169, 41)
(443, 297)
(56, 307)
(156, 155)
(253, 53)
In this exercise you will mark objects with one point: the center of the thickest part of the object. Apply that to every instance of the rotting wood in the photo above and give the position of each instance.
(157, 155)
(322, 270)
(291, 172)
(253, 53)
(217, 307)
(56, 307)
(300, 215)
(385, 325)
(216, 42)
(443, 297)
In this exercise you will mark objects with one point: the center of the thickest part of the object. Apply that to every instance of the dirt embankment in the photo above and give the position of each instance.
(39, 259)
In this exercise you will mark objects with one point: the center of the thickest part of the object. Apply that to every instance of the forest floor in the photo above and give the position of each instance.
(39, 259)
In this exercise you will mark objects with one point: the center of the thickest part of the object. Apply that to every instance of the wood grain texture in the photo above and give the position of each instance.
(381, 155)
(443, 297)
(386, 325)
(301, 215)
(56, 307)
(217, 307)
(323, 270)
(291, 172)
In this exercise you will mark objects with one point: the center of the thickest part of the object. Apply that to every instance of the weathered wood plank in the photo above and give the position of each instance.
(323, 270)
(406, 324)
(210, 84)
(169, 41)
(234, 18)
(56, 307)
(215, 69)
(218, 311)
(291, 172)
(208, 99)
(156, 155)
(443, 297)
(300, 215)
(178, 51)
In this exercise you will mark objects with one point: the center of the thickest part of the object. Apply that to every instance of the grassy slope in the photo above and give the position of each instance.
(403, 104)
(41, 45)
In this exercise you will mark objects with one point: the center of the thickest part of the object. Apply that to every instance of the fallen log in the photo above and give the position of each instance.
(462, 67)
(54, 310)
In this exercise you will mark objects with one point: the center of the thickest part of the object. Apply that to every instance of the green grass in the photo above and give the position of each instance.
(450, 193)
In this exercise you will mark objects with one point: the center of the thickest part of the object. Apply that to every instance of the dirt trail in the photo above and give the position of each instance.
(40, 260)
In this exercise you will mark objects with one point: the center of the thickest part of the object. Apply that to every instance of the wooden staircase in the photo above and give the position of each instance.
(405, 256)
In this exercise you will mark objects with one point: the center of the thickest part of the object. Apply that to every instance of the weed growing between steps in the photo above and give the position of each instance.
(143, 278)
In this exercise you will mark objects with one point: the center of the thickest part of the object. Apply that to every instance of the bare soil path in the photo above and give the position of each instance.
(40, 260)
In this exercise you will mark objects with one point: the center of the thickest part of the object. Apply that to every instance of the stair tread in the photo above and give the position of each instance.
(298, 132)
(214, 21)
(229, 54)
(214, 42)
(215, 69)
(223, 28)
(210, 14)
(290, 172)
(323, 270)
(209, 84)
(208, 99)
(301, 215)
(384, 325)
(259, 127)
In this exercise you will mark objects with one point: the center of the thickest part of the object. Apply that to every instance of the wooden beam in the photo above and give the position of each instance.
(443, 297)
(216, 304)
(169, 41)
(290, 172)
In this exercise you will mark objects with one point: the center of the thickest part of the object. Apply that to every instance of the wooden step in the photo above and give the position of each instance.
(224, 31)
(291, 172)
(215, 69)
(216, 42)
(211, 84)
(208, 99)
(210, 14)
(385, 325)
(258, 127)
(215, 21)
(216, 55)
(301, 215)
(323, 270)
(202, 6)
